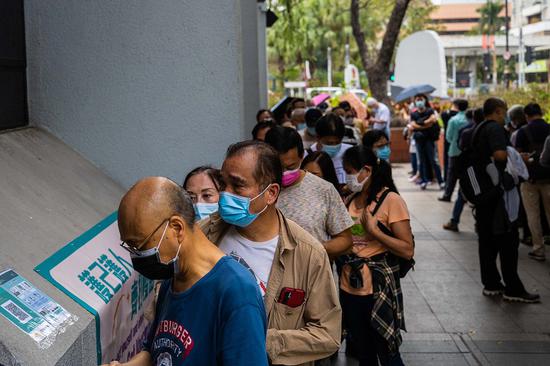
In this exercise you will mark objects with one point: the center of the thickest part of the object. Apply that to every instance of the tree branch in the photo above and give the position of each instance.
(358, 34)
(392, 32)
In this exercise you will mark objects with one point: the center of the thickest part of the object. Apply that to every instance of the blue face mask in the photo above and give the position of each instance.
(420, 104)
(203, 210)
(383, 153)
(311, 131)
(301, 126)
(235, 210)
(332, 150)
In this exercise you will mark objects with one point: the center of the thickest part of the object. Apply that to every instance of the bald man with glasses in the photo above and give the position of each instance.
(209, 309)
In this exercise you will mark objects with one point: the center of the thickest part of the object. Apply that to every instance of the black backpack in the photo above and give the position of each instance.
(476, 185)
(433, 132)
(405, 265)
(537, 172)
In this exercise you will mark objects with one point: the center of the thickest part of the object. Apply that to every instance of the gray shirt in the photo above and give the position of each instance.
(316, 206)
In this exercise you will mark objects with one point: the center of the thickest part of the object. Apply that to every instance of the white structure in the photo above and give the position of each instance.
(420, 59)
(532, 15)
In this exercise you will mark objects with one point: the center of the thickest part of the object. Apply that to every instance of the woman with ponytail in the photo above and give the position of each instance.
(370, 291)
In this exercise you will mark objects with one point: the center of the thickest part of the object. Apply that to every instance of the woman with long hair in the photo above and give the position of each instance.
(320, 164)
(370, 290)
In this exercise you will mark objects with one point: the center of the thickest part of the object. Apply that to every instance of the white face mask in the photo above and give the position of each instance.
(352, 181)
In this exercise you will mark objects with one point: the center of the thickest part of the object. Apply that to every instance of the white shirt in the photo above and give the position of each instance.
(337, 161)
(382, 113)
(255, 256)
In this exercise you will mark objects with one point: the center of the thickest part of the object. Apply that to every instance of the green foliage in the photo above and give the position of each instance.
(538, 93)
(490, 21)
(306, 28)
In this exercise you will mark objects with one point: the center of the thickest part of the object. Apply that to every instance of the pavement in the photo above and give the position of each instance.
(449, 321)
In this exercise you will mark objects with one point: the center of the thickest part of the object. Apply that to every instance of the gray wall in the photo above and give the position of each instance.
(254, 62)
(144, 87)
(49, 196)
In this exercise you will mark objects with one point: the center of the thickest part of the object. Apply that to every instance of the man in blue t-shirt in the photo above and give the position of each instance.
(209, 309)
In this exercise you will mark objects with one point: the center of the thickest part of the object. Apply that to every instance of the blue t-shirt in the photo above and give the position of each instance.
(220, 320)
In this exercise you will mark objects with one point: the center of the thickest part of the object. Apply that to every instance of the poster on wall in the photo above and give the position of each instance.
(31, 310)
(97, 273)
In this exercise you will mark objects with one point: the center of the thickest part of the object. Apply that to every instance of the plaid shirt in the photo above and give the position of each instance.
(387, 313)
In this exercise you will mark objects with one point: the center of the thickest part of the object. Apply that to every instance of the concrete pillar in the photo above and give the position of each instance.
(254, 63)
(472, 62)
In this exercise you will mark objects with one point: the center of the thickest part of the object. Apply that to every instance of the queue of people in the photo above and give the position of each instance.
(301, 238)
(499, 153)
(496, 156)
(246, 254)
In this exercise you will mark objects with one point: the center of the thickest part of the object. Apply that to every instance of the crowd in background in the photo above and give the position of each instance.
(310, 201)
(500, 157)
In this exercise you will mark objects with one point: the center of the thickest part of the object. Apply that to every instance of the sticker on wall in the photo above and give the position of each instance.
(31, 310)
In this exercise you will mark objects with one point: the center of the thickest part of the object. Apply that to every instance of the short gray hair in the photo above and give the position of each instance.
(179, 202)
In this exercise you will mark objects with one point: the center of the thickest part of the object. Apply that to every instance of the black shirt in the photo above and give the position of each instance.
(539, 130)
(420, 117)
(446, 116)
(491, 138)
(465, 136)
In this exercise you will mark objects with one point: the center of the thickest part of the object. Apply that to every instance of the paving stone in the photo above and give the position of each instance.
(435, 359)
(513, 346)
(429, 346)
(506, 359)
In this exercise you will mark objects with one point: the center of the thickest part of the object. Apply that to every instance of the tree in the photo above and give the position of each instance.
(307, 27)
(377, 64)
(490, 21)
(304, 31)
(490, 24)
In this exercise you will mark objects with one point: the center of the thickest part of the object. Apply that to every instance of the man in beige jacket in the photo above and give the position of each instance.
(290, 266)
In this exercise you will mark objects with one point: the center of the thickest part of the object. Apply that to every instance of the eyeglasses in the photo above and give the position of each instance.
(136, 250)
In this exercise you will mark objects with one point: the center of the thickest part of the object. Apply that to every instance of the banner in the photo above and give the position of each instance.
(97, 273)
(351, 77)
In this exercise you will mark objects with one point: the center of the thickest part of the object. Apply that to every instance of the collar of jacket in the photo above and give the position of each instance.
(215, 228)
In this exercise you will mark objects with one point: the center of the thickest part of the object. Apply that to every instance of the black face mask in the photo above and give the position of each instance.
(149, 265)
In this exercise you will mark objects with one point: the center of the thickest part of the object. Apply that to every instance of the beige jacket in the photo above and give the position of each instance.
(312, 331)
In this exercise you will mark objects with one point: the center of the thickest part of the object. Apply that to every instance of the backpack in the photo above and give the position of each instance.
(476, 174)
(433, 132)
(536, 171)
(405, 265)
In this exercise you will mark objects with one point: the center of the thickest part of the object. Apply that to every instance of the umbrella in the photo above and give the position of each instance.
(395, 90)
(411, 91)
(280, 108)
(355, 103)
(318, 99)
